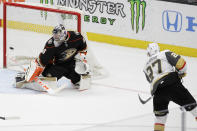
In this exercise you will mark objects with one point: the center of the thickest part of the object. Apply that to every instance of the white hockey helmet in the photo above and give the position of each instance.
(152, 49)
(59, 32)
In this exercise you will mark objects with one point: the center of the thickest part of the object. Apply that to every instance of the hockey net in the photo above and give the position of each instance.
(27, 27)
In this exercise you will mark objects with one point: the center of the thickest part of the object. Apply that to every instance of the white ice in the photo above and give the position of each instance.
(110, 105)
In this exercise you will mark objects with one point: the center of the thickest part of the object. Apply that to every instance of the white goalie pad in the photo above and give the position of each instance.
(50, 84)
(85, 82)
(49, 81)
(42, 84)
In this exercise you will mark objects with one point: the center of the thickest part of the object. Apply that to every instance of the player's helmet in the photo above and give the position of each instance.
(59, 32)
(152, 49)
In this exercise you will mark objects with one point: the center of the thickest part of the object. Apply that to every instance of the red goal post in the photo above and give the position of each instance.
(33, 6)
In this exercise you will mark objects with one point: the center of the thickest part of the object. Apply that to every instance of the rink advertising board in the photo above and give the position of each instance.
(135, 23)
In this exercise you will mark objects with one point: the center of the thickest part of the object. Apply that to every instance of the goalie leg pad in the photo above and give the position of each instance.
(85, 82)
(50, 81)
(33, 70)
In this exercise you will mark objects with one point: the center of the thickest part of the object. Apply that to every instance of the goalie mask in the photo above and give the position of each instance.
(59, 33)
(152, 49)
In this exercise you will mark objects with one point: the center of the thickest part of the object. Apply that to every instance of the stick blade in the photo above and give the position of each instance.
(141, 99)
(9, 117)
(144, 101)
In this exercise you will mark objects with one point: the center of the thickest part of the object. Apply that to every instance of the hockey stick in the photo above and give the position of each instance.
(9, 117)
(47, 88)
(144, 101)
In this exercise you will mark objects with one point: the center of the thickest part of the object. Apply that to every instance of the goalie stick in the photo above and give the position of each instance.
(47, 88)
(144, 101)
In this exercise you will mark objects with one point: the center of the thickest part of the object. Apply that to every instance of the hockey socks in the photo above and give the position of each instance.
(159, 127)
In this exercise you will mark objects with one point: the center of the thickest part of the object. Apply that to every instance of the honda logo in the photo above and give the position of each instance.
(172, 21)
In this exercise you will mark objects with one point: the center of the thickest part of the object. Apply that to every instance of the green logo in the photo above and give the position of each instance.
(44, 13)
(136, 7)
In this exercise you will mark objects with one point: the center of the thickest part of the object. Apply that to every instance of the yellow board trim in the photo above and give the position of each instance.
(30, 27)
(140, 44)
(105, 38)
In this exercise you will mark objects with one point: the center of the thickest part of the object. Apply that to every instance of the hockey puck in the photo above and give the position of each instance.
(9, 117)
(3, 118)
(11, 48)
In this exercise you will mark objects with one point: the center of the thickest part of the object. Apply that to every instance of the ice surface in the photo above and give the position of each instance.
(110, 105)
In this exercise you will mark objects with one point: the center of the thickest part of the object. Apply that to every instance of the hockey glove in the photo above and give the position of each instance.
(182, 74)
(81, 65)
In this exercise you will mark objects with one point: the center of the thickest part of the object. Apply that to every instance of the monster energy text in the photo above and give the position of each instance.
(113, 9)
(138, 4)
(92, 6)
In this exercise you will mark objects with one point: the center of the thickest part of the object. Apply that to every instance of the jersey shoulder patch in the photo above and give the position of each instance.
(172, 57)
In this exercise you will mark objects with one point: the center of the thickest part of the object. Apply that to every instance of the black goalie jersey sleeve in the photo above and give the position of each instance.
(47, 55)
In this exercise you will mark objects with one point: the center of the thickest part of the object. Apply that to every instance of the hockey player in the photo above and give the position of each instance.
(64, 55)
(164, 71)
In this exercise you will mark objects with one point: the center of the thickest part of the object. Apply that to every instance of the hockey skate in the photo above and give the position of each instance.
(20, 76)
(20, 79)
(77, 85)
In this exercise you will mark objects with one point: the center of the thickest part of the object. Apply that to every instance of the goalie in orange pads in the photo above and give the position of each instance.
(64, 55)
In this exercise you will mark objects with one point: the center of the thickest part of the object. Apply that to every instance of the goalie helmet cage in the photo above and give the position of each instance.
(32, 8)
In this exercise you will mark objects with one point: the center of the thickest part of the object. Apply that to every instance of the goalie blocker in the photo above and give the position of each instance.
(64, 55)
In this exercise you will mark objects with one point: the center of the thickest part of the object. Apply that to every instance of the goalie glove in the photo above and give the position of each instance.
(81, 65)
(34, 69)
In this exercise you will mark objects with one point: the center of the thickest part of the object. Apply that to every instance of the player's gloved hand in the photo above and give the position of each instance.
(182, 74)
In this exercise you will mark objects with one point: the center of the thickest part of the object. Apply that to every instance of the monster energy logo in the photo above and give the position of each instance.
(138, 4)
(44, 13)
(46, 2)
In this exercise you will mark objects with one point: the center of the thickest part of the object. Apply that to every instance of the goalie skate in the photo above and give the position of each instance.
(20, 79)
